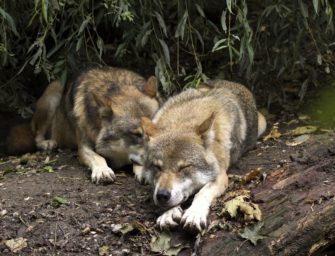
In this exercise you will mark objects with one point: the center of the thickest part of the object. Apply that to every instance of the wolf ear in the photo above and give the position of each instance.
(150, 88)
(149, 128)
(203, 128)
(105, 105)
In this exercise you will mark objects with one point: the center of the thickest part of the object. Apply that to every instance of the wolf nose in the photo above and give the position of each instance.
(163, 195)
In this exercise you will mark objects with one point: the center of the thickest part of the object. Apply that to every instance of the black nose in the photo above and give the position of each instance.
(163, 195)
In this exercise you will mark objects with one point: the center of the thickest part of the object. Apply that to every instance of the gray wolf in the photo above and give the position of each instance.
(100, 114)
(191, 142)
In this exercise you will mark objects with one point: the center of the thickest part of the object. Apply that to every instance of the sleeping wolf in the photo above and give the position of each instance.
(100, 114)
(192, 141)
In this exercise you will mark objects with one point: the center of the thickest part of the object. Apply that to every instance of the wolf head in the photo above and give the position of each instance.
(178, 163)
(121, 133)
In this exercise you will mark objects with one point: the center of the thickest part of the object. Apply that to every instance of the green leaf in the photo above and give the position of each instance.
(48, 168)
(316, 5)
(251, 233)
(223, 21)
(145, 37)
(229, 4)
(36, 56)
(9, 20)
(161, 23)
(165, 50)
(45, 4)
(303, 9)
(63, 76)
(199, 38)
(79, 43)
(180, 31)
(200, 10)
(221, 44)
(59, 200)
(84, 24)
(251, 53)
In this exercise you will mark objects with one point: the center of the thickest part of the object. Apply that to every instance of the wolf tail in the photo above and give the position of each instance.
(20, 140)
(261, 124)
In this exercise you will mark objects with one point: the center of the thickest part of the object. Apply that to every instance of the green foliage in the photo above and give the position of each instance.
(182, 42)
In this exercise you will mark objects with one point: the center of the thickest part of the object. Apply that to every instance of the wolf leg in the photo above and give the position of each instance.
(139, 174)
(261, 124)
(98, 165)
(46, 108)
(195, 217)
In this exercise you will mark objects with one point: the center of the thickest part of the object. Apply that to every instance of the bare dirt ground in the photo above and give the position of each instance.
(50, 206)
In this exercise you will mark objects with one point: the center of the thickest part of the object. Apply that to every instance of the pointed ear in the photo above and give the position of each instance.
(149, 128)
(205, 125)
(150, 88)
(105, 105)
(102, 100)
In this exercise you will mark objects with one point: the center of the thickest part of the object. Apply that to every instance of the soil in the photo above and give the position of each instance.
(49, 200)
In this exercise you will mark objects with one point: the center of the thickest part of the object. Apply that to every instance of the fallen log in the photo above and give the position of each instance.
(298, 205)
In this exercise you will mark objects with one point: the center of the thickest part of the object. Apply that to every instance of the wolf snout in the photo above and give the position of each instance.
(163, 196)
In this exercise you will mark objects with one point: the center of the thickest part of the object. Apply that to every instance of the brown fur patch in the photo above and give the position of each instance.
(167, 180)
(150, 87)
(205, 125)
(20, 140)
(149, 127)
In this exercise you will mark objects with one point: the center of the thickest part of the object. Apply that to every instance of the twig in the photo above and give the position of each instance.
(23, 221)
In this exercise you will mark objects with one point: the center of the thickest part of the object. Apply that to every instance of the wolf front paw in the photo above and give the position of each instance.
(170, 218)
(195, 219)
(46, 145)
(139, 174)
(102, 174)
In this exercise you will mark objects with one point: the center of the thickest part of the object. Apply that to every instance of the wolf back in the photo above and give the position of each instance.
(193, 139)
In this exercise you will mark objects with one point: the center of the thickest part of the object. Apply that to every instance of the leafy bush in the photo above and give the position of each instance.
(261, 42)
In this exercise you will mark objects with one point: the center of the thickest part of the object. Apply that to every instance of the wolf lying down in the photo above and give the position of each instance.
(191, 142)
(99, 113)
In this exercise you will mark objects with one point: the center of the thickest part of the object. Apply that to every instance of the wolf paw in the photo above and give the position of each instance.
(102, 174)
(47, 145)
(195, 219)
(139, 174)
(170, 218)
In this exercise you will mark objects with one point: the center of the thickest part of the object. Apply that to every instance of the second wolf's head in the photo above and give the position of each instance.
(177, 163)
(121, 134)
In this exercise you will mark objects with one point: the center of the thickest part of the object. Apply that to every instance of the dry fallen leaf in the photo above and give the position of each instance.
(235, 193)
(162, 245)
(250, 210)
(298, 140)
(274, 134)
(252, 175)
(251, 233)
(16, 244)
(123, 228)
(303, 130)
(103, 251)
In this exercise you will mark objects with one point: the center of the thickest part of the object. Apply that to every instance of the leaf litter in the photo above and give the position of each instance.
(241, 204)
(252, 233)
(162, 244)
(16, 244)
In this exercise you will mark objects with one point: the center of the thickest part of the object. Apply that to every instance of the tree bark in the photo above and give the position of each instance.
(298, 206)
